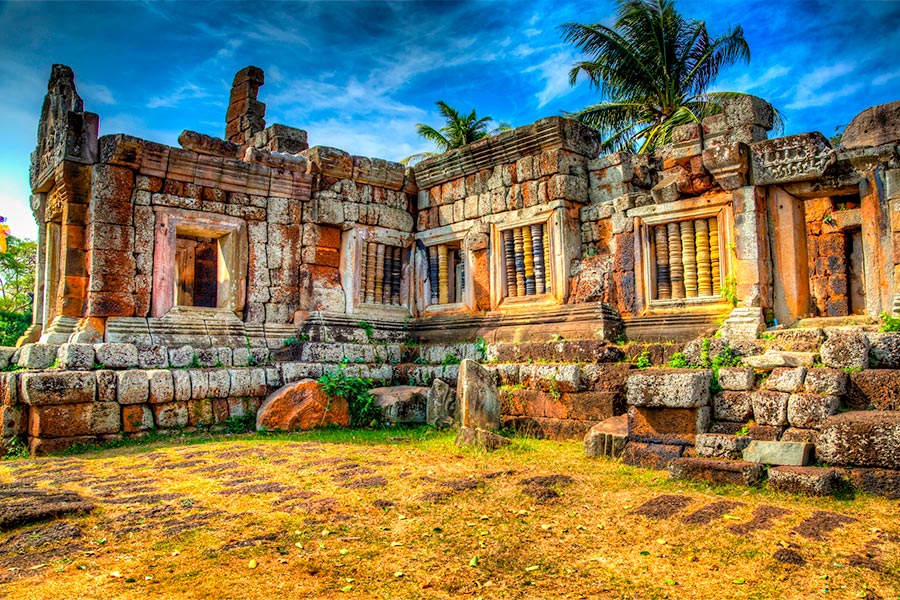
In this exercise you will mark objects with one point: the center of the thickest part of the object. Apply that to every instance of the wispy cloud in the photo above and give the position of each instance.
(95, 93)
(554, 73)
(810, 90)
(186, 91)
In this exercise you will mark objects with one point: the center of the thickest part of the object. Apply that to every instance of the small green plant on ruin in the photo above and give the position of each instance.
(889, 324)
(367, 327)
(240, 424)
(364, 410)
(554, 389)
(678, 361)
(729, 290)
(481, 347)
(15, 448)
(450, 359)
(195, 363)
(643, 361)
(828, 219)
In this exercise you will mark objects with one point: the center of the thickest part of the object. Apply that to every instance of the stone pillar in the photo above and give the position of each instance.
(877, 243)
(790, 264)
(246, 116)
(753, 265)
(892, 193)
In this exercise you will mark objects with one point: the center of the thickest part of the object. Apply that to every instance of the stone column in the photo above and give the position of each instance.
(790, 264)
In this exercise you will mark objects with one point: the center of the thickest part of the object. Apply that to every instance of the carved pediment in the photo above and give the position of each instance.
(65, 131)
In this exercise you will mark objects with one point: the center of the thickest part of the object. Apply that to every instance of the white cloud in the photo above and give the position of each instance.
(554, 72)
(186, 91)
(95, 94)
(810, 92)
(886, 77)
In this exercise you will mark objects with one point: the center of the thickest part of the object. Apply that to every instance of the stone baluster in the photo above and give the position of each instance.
(396, 274)
(433, 273)
(370, 272)
(676, 269)
(537, 242)
(520, 261)
(689, 258)
(663, 284)
(714, 256)
(443, 287)
(510, 260)
(379, 273)
(704, 271)
(528, 258)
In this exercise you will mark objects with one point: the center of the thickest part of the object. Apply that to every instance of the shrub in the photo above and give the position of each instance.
(364, 410)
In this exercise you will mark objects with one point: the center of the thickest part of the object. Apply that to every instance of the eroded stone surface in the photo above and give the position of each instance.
(669, 388)
(479, 403)
(862, 439)
(301, 405)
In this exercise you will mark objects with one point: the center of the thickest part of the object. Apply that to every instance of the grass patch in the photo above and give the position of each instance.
(327, 510)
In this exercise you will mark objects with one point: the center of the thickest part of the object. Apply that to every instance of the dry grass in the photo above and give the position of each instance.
(357, 515)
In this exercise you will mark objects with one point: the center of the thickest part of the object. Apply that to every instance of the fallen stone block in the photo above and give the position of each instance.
(440, 409)
(876, 388)
(733, 406)
(67, 387)
(607, 438)
(75, 357)
(651, 456)
(831, 382)
(301, 405)
(770, 408)
(116, 355)
(861, 439)
(402, 403)
(845, 350)
(878, 482)
(13, 420)
(808, 411)
(713, 445)
(736, 379)
(717, 472)
(478, 399)
(785, 379)
(669, 388)
(795, 454)
(667, 425)
(37, 356)
(812, 481)
(479, 438)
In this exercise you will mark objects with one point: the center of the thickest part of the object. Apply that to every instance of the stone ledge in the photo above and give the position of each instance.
(717, 472)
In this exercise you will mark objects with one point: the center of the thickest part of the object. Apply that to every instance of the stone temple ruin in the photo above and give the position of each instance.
(180, 286)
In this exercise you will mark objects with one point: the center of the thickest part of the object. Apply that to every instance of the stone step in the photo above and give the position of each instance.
(716, 472)
(812, 481)
(607, 438)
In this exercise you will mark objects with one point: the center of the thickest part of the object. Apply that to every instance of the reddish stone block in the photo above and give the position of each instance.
(136, 417)
(67, 420)
(650, 456)
(678, 426)
(589, 406)
(302, 405)
(111, 304)
(220, 410)
(44, 446)
(328, 257)
(330, 237)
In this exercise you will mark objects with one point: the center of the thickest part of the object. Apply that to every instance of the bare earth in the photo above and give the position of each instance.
(409, 515)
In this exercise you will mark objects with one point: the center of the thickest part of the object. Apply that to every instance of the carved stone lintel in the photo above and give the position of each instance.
(793, 158)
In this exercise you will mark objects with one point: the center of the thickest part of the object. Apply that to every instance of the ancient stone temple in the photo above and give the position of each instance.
(178, 286)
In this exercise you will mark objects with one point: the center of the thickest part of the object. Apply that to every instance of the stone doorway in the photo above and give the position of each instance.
(196, 267)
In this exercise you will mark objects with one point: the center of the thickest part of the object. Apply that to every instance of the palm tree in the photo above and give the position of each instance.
(654, 69)
(458, 131)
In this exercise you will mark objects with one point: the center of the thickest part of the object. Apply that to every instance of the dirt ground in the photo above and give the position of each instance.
(381, 515)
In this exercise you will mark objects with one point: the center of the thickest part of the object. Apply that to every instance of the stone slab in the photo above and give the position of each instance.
(718, 445)
(607, 438)
(478, 399)
(716, 472)
(67, 387)
(796, 454)
(678, 426)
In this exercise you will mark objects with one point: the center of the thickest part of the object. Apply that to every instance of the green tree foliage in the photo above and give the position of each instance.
(653, 70)
(458, 130)
(17, 266)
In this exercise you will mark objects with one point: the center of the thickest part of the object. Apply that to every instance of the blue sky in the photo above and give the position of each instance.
(360, 75)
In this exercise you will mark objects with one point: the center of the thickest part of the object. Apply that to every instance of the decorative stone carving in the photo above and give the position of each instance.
(728, 164)
(793, 158)
(65, 132)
